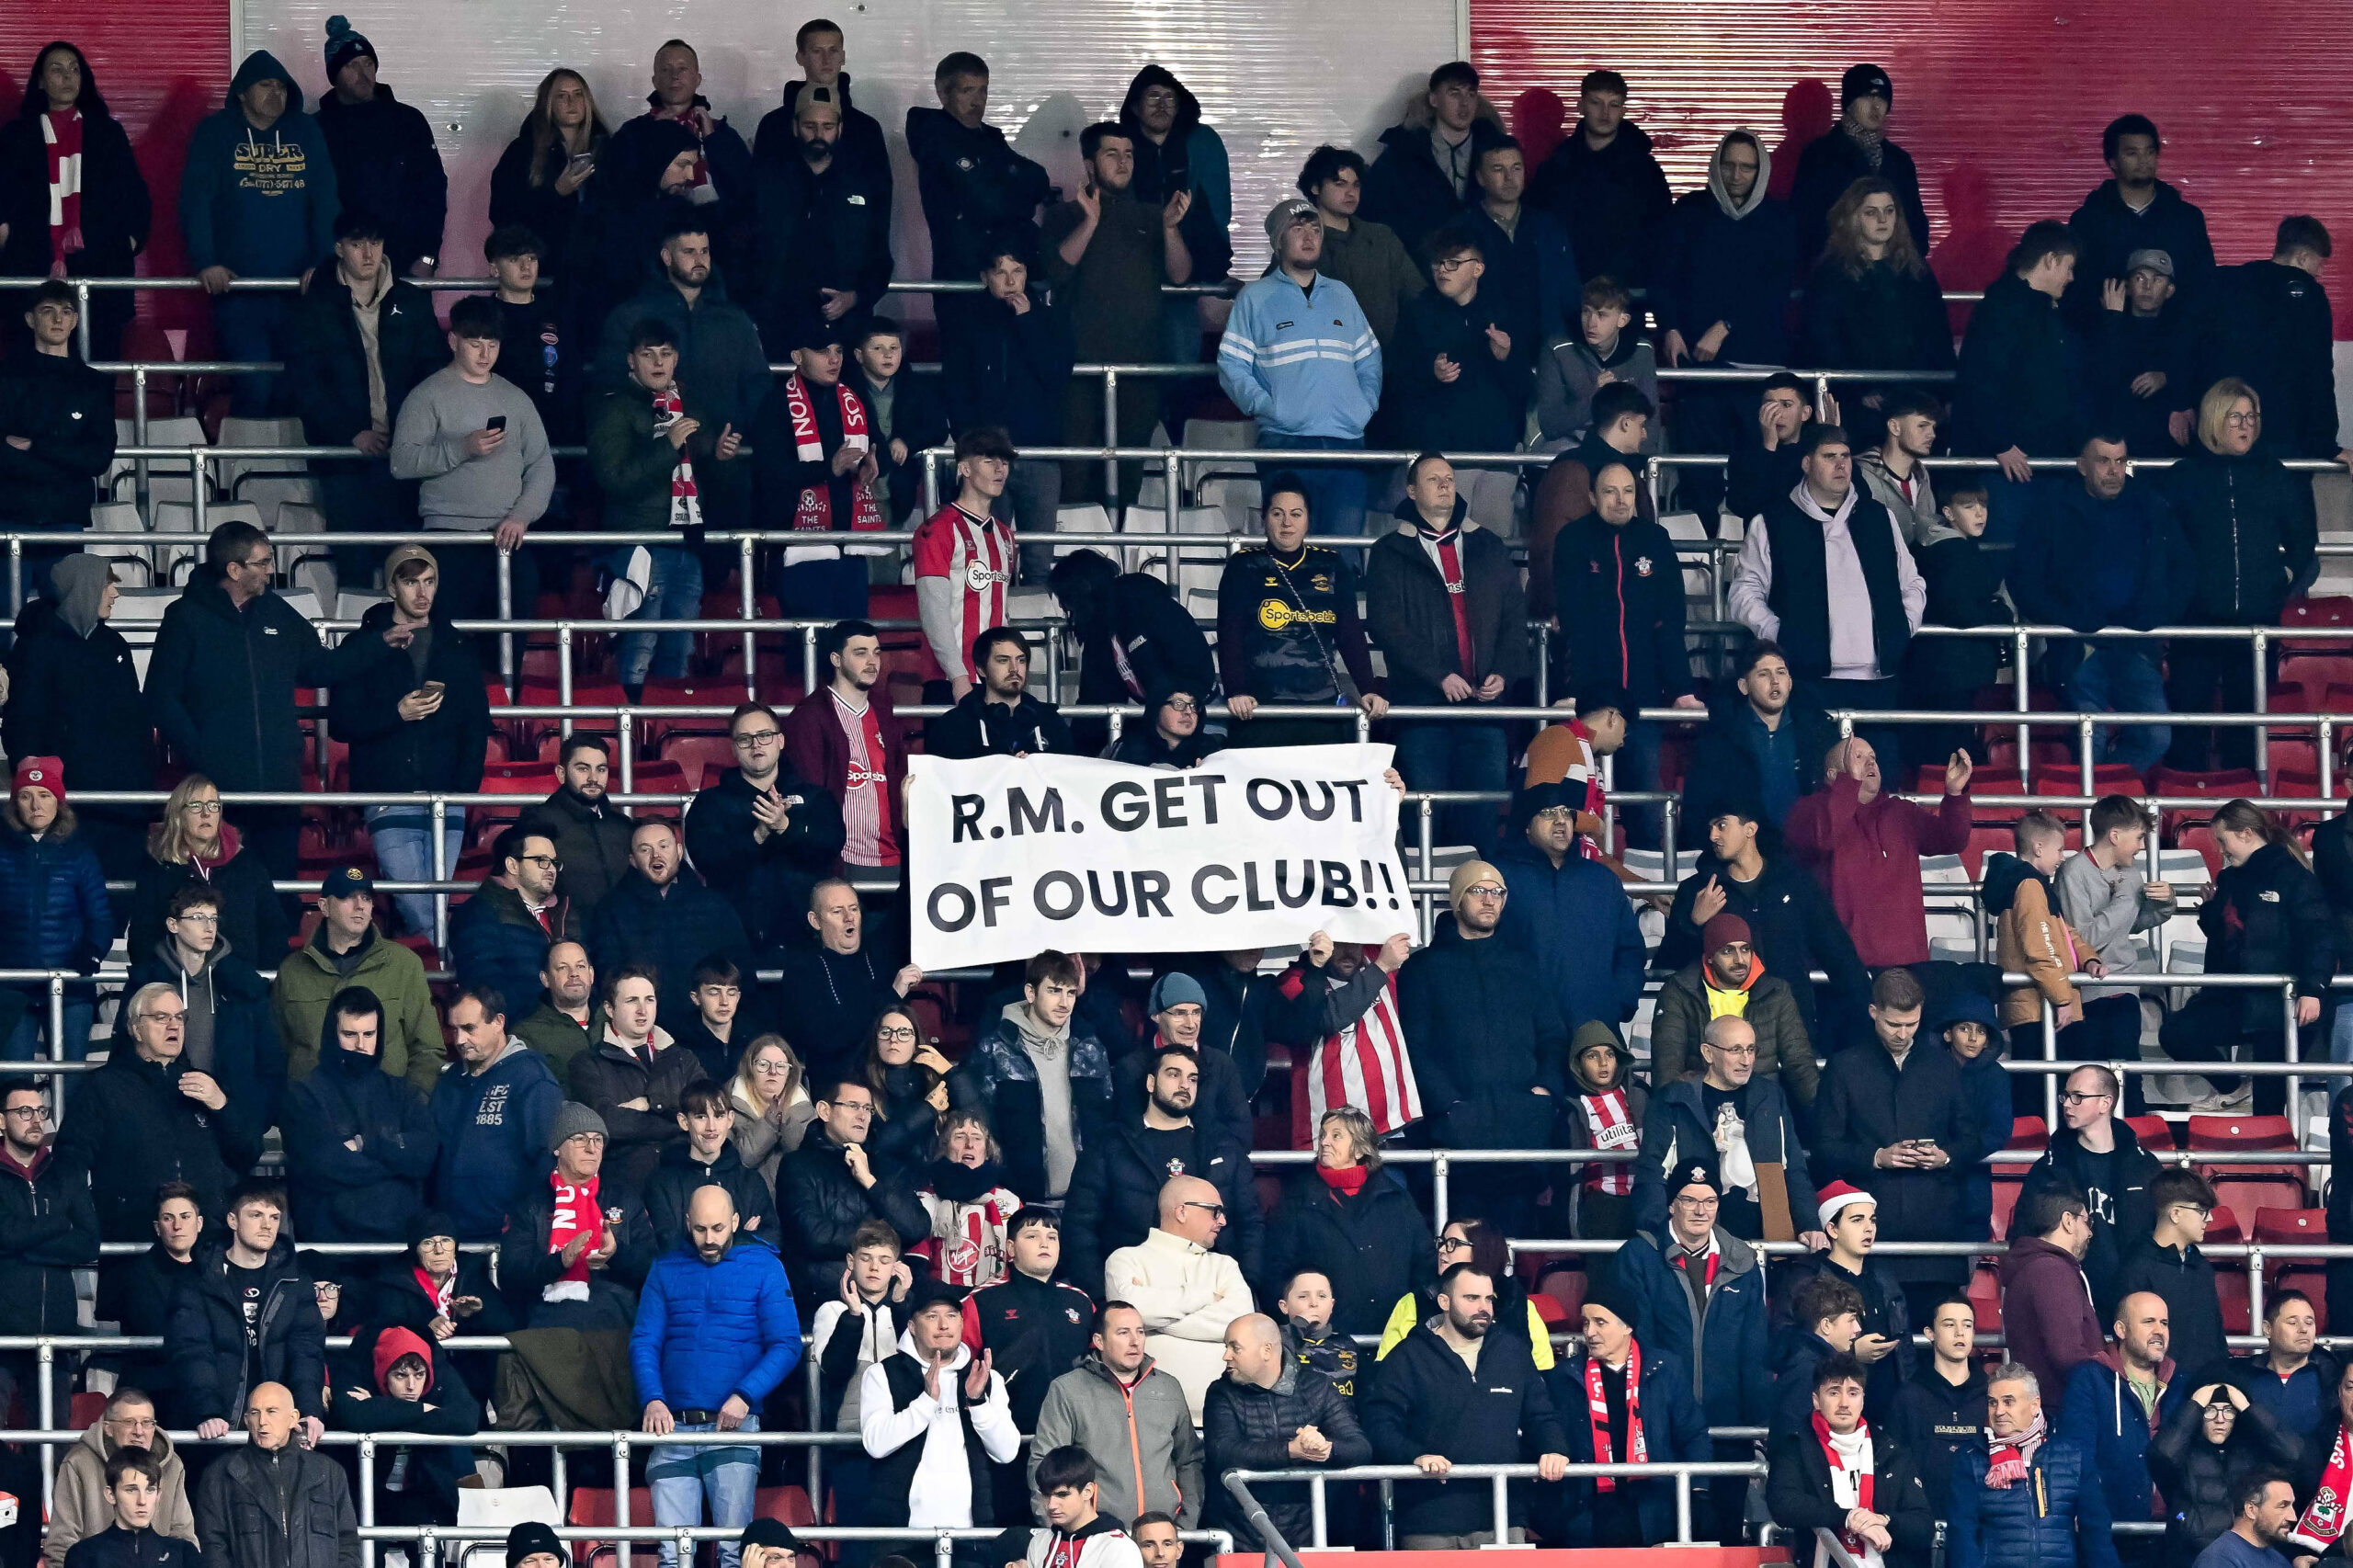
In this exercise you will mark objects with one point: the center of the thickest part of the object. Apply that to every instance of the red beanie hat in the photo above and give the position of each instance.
(1723, 930)
(395, 1343)
(41, 773)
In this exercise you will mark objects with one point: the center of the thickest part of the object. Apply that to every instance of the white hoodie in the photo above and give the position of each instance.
(941, 1492)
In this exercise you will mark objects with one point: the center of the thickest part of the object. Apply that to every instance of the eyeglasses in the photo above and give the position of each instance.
(1181, 705)
(1485, 890)
(2074, 1098)
(29, 1112)
(1453, 264)
(1215, 1211)
(1452, 1243)
(1556, 815)
(2202, 1212)
(894, 1034)
(545, 862)
(771, 1066)
(2237, 416)
(759, 738)
(193, 918)
(1737, 1052)
(203, 808)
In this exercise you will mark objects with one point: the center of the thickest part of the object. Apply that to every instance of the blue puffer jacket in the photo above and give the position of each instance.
(492, 1129)
(54, 911)
(709, 1330)
(1733, 1372)
(2052, 1518)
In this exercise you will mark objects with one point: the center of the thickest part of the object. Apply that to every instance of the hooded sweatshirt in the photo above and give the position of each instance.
(1049, 1054)
(2032, 938)
(261, 203)
(1720, 260)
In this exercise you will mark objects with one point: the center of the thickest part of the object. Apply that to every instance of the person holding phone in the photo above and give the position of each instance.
(477, 441)
(418, 724)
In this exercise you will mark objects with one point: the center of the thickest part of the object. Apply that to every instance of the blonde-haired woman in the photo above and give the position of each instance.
(771, 1093)
(2265, 914)
(193, 846)
(964, 1190)
(547, 174)
(2251, 532)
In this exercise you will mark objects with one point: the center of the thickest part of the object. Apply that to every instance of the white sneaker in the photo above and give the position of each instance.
(2226, 1105)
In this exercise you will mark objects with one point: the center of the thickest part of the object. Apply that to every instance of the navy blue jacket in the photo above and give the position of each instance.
(1674, 1431)
(2074, 543)
(1565, 917)
(2022, 380)
(769, 882)
(1834, 160)
(1611, 201)
(1730, 1373)
(2054, 1517)
(1484, 408)
(976, 191)
(1534, 268)
(1711, 267)
(1405, 190)
(2269, 324)
(386, 164)
(1618, 593)
(998, 367)
(709, 1330)
(636, 922)
(54, 911)
(1987, 1088)
(2107, 1422)
(493, 941)
(491, 1136)
(2110, 231)
(355, 1194)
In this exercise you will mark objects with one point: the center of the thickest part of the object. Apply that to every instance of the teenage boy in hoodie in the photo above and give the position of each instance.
(383, 153)
(1854, 148)
(1444, 604)
(2132, 212)
(1729, 980)
(1075, 1534)
(2140, 342)
(2032, 937)
(257, 200)
(1972, 1035)
(134, 1490)
(411, 1387)
(1459, 376)
(1964, 585)
(1717, 291)
(1605, 350)
(1941, 1411)
(1605, 185)
(1426, 173)
(1176, 153)
(2108, 899)
(2117, 1402)
(56, 426)
(345, 949)
(359, 1143)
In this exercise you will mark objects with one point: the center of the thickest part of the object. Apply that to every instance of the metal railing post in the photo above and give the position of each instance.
(809, 657)
(45, 1390)
(1110, 439)
(1682, 1507)
(441, 872)
(746, 565)
(1171, 478)
(1502, 1509)
(943, 1551)
(82, 310)
(2294, 1054)
(2257, 646)
(367, 1497)
(2020, 651)
(141, 476)
(621, 1490)
(564, 675)
(626, 740)
(2050, 1053)
(1440, 1168)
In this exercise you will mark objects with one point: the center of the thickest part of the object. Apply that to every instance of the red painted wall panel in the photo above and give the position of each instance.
(162, 65)
(2000, 101)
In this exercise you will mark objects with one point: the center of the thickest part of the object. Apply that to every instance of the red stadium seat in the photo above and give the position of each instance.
(2307, 1225)
(2155, 1132)
(592, 1505)
(1985, 1294)
(698, 756)
(2223, 1228)
(2230, 1288)
(2240, 1132)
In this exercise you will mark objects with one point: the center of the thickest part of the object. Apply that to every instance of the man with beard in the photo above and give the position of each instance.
(590, 835)
(664, 915)
(1107, 255)
(1453, 1393)
(1116, 1191)
(824, 223)
(565, 1023)
(760, 834)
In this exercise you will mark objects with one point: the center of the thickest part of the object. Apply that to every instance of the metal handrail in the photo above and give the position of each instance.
(1682, 1472)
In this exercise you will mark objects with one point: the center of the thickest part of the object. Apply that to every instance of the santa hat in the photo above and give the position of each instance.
(1839, 1194)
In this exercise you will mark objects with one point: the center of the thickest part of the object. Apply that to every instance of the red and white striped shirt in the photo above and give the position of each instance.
(1364, 1065)
(970, 564)
(968, 1245)
(1609, 1122)
(872, 832)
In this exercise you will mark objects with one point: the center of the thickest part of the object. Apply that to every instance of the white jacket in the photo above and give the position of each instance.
(941, 1492)
(1188, 1296)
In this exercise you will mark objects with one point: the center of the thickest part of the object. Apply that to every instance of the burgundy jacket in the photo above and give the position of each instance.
(1869, 858)
(819, 751)
(2047, 1313)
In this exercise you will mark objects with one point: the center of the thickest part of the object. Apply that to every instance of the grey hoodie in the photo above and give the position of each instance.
(1758, 192)
(2107, 908)
(1922, 522)
(78, 582)
(1050, 1054)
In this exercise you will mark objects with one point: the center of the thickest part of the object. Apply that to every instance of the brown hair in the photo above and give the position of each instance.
(1846, 241)
(540, 126)
(2245, 816)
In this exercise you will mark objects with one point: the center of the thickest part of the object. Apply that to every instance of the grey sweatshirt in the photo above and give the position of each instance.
(2107, 908)
(1050, 1055)
(429, 443)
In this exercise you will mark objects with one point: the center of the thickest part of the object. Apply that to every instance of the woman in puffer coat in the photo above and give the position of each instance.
(2211, 1439)
(1354, 1223)
(53, 910)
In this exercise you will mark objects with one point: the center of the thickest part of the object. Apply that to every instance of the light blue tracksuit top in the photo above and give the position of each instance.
(1300, 361)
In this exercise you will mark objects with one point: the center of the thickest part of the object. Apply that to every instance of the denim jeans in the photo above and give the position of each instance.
(1033, 501)
(682, 1477)
(2117, 679)
(246, 327)
(1443, 754)
(1335, 492)
(23, 1045)
(403, 839)
(673, 592)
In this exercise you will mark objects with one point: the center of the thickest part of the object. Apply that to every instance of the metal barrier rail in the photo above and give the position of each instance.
(1682, 1472)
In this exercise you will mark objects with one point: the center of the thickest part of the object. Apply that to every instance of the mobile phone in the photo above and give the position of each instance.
(433, 688)
(581, 161)
(497, 422)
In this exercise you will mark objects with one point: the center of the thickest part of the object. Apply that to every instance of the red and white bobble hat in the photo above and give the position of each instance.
(40, 773)
(1839, 1194)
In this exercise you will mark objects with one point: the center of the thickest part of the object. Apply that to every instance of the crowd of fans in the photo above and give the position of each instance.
(1014, 1226)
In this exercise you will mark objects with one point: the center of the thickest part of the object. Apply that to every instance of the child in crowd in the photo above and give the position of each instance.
(1964, 589)
(1605, 350)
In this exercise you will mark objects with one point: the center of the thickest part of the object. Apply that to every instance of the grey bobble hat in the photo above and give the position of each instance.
(572, 1119)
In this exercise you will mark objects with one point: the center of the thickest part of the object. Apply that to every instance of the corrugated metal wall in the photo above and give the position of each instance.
(2001, 101)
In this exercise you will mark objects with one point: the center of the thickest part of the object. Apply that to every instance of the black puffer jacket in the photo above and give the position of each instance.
(824, 1206)
(2269, 916)
(386, 164)
(207, 1338)
(326, 363)
(2250, 529)
(239, 1501)
(1372, 1247)
(66, 411)
(443, 752)
(769, 882)
(220, 683)
(1612, 203)
(1114, 1198)
(2197, 1478)
(367, 1194)
(76, 699)
(133, 1130)
(48, 1227)
(605, 1075)
(1482, 1040)
(1245, 1426)
(676, 1180)
(673, 929)
(1866, 1102)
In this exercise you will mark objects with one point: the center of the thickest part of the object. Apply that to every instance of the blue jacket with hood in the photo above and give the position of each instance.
(261, 203)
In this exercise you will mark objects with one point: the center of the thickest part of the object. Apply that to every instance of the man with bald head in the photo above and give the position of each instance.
(1187, 1293)
(825, 224)
(662, 913)
(2116, 1402)
(1863, 842)
(1270, 1412)
(716, 1332)
(275, 1503)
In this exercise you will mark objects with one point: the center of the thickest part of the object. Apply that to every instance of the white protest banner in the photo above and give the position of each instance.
(1011, 856)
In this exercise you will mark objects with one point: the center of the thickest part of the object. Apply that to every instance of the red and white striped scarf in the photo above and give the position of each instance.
(1610, 1124)
(2323, 1522)
(1598, 1412)
(686, 509)
(1365, 1065)
(1851, 1465)
(61, 134)
(815, 512)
